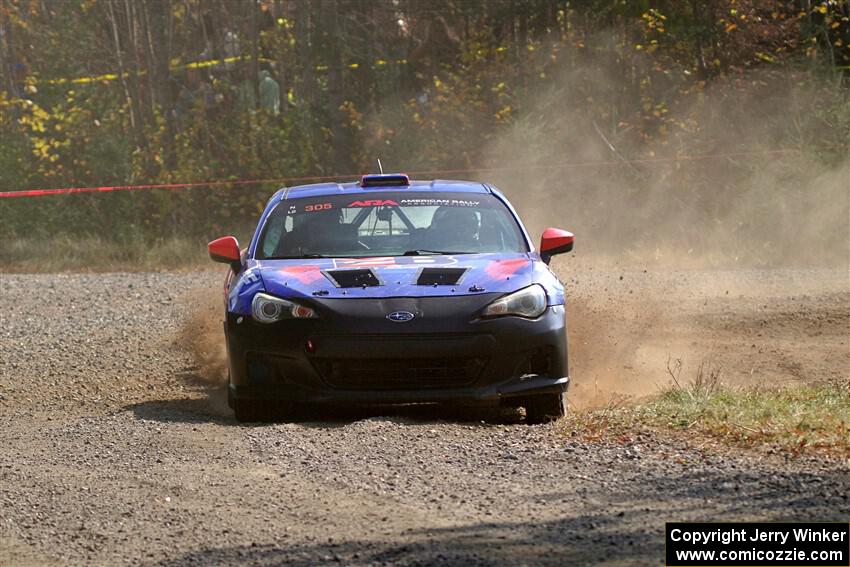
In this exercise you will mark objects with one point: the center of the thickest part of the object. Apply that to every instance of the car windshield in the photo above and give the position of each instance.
(389, 224)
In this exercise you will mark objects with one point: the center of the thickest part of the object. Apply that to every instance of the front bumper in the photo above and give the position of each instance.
(354, 354)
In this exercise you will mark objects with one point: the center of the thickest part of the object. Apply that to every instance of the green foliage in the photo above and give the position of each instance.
(139, 93)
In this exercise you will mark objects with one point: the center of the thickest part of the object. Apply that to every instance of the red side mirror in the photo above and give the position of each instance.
(225, 250)
(555, 241)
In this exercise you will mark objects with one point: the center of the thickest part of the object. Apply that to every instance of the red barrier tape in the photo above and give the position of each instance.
(66, 190)
(43, 192)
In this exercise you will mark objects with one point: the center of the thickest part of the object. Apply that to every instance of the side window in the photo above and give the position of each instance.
(278, 225)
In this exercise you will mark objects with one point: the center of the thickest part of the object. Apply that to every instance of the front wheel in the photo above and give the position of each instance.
(543, 408)
(247, 411)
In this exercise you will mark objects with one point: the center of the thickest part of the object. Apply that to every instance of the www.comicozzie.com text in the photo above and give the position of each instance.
(726, 536)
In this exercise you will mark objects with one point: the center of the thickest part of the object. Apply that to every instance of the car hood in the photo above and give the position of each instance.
(396, 276)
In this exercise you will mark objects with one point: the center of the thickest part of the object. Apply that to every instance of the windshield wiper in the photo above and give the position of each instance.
(423, 252)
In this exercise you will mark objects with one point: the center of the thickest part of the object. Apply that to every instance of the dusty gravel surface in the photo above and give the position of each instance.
(115, 452)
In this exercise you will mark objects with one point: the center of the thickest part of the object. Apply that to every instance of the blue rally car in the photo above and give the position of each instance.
(391, 291)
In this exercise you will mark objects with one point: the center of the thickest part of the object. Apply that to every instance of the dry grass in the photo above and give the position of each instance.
(794, 420)
(97, 254)
(811, 417)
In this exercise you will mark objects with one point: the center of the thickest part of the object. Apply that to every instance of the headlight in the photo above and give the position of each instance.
(268, 309)
(529, 302)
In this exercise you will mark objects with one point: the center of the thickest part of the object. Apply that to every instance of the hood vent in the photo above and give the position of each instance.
(440, 276)
(353, 278)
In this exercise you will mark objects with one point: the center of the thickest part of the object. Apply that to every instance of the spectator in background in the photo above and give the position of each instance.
(197, 96)
(19, 80)
(186, 99)
(269, 93)
(246, 94)
(231, 49)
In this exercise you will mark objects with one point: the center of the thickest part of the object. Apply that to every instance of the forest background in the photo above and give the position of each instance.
(659, 130)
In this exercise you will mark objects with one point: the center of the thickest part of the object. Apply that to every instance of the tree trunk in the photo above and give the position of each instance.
(131, 104)
(7, 53)
(304, 83)
(159, 27)
(340, 132)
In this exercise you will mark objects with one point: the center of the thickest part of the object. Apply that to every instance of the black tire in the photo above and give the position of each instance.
(229, 393)
(252, 411)
(544, 408)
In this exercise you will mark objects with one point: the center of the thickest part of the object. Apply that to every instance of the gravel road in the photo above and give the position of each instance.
(117, 448)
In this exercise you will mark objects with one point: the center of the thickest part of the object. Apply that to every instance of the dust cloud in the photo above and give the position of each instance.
(715, 197)
(202, 335)
(713, 193)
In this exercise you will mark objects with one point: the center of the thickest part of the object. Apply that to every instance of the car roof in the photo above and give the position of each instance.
(354, 188)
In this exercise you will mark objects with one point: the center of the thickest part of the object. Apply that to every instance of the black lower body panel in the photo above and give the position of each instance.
(354, 354)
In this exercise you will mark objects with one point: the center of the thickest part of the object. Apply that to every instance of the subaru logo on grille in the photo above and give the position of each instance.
(400, 316)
